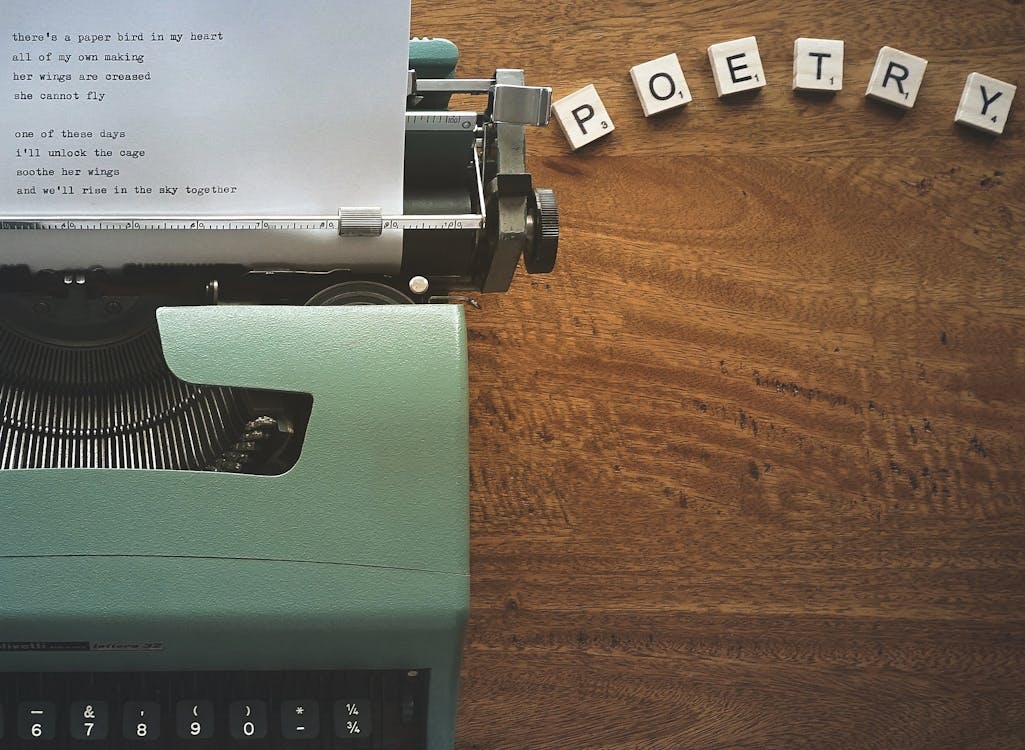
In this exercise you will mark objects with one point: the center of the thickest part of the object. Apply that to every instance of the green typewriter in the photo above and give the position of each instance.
(234, 501)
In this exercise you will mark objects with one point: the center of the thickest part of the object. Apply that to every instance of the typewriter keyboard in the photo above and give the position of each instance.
(312, 710)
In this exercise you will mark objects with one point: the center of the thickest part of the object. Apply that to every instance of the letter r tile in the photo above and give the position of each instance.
(896, 78)
(736, 66)
(582, 117)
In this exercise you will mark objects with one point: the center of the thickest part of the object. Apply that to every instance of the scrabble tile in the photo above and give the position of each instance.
(660, 85)
(582, 117)
(736, 66)
(818, 64)
(897, 77)
(985, 103)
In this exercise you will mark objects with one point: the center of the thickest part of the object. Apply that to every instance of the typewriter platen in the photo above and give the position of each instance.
(233, 502)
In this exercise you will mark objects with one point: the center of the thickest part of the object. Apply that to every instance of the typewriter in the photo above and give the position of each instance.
(234, 501)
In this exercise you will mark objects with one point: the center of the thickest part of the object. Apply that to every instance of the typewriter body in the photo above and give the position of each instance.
(234, 501)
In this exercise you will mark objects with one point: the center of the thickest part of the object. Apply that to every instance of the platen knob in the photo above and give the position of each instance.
(544, 248)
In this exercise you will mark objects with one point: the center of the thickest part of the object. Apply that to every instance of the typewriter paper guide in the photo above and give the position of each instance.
(259, 108)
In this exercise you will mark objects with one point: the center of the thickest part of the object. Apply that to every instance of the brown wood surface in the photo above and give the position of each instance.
(748, 470)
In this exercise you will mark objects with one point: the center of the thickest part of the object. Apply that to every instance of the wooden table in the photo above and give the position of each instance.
(748, 470)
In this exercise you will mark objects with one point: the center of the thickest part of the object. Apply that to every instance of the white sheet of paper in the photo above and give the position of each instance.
(128, 108)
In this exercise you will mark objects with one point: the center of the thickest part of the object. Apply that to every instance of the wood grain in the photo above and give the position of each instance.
(748, 470)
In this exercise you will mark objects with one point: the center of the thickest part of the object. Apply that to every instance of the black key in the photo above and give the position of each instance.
(247, 720)
(90, 720)
(407, 706)
(300, 720)
(37, 721)
(195, 720)
(353, 719)
(142, 720)
(1, 722)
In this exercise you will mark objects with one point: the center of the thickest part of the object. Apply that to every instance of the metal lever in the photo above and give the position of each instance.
(511, 104)
(449, 85)
(521, 105)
